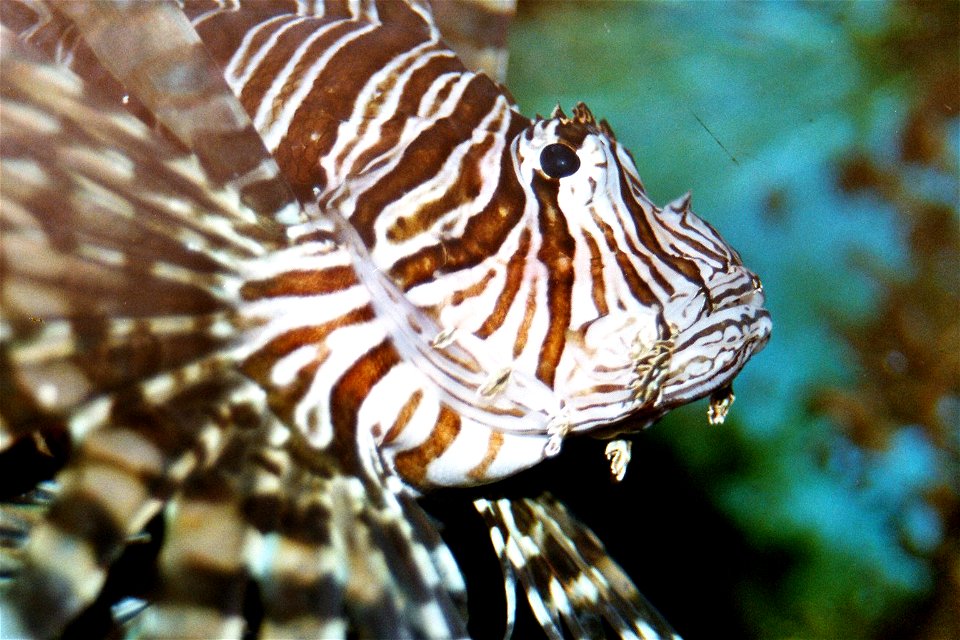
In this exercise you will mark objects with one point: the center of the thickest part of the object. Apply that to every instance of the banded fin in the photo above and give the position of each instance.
(120, 255)
(575, 589)
(17, 519)
(153, 50)
(121, 265)
(326, 553)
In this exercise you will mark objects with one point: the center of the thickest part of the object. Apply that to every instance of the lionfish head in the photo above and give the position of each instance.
(661, 309)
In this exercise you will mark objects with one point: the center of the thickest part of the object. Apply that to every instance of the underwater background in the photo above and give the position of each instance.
(821, 139)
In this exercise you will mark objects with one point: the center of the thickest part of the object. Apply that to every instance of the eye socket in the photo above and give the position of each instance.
(559, 161)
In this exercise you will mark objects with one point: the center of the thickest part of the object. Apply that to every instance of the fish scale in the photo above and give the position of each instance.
(276, 268)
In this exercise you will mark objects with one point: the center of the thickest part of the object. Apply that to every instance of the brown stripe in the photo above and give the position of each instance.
(301, 283)
(412, 464)
(338, 9)
(638, 287)
(222, 33)
(601, 389)
(523, 331)
(279, 55)
(402, 16)
(575, 132)
(162, 424)
(439, 97)
(259, 364)
(373, 107)
(19, 17)
(82, 516)
(110, 359)
(464, 189)
(513, 278)
(479, 472)
(472, 290)
(650, 243)
(716, 251)
(556, 253)
(413, 91)
(404, 417)
(349, 392)
(199, 585)
(424, 156)
(332, 98)
(598, 288)
(484, 233)
(292, 599)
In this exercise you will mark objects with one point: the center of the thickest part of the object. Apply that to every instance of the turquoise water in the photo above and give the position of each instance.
(753, 106)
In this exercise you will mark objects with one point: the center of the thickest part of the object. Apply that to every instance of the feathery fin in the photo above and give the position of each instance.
(569, 579)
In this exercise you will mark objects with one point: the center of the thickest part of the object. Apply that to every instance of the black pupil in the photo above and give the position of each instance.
(559, 161)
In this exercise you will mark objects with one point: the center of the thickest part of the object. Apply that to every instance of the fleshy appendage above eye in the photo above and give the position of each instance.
(559, 161)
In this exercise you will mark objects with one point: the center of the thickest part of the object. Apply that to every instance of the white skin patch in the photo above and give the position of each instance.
(618, 453)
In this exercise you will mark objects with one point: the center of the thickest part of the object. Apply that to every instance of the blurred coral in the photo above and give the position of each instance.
(909, 350)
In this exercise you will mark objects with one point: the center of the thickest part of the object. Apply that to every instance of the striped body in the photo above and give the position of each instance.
(273, 329)
(351, 130)
(438, 176)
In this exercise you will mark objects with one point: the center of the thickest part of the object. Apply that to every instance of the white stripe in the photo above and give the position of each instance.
(295, 312)
(312, 413)
(285, 370)
(387, 253)
(346, 136)
(383, 404)
(308, 8)
(273, 131)
(356, 9)
(238, 78)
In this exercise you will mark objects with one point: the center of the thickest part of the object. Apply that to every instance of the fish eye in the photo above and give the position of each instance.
(559, 161)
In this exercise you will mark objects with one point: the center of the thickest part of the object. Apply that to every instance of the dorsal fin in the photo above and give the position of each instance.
(477, 30)
(156, 54)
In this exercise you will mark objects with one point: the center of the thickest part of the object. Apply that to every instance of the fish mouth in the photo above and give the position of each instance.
(703, 341)
(708, 353)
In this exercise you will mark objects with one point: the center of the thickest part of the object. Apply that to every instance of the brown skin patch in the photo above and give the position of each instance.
(412, 464)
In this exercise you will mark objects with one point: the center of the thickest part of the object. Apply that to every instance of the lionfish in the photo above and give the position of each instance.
(273, 269)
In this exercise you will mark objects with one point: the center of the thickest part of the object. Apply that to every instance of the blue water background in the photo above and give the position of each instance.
(750, 106)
